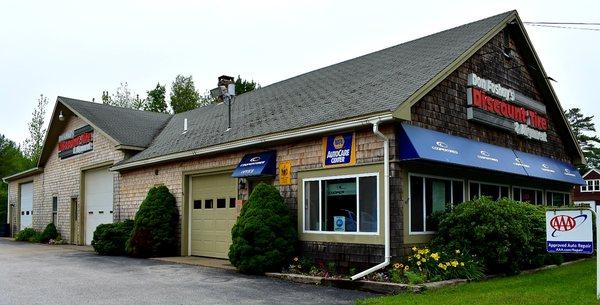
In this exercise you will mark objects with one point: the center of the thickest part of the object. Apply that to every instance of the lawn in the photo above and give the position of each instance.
(573, 284)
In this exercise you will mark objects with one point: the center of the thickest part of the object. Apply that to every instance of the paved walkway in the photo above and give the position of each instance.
(40, 274)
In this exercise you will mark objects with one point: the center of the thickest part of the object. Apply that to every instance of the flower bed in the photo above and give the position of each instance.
(422, 266)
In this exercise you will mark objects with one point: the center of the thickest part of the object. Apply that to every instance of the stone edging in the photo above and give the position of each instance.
(387, 287)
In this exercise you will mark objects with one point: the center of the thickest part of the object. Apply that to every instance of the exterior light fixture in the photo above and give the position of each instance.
(61, 117)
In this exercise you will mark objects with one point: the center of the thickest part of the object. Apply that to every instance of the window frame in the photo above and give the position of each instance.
(355, 176)
(499, 185)
(424, 176)
(557, 192)
(531, 189)
(55, 212)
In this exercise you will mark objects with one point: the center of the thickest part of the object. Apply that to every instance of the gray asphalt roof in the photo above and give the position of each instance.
(369, 84)
(127, 126)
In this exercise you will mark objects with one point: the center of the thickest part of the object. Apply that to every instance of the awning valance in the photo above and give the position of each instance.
(256, 165)
(420, 143)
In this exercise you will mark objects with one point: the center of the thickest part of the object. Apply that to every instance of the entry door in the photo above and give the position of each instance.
(213, 214)
(26, 200)
(98, 200)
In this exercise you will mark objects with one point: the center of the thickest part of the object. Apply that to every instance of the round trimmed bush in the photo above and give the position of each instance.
(49, 233)
(505, 235)
(111, 239)
(264, 236)
(155, 225)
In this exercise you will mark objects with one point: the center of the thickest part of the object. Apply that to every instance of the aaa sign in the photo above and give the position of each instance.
(569, 232)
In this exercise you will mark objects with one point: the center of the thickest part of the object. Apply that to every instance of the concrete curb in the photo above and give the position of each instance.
(370, 286)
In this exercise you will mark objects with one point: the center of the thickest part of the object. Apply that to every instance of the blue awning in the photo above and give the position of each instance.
(256, 165)
(420, 143)
(547, 168)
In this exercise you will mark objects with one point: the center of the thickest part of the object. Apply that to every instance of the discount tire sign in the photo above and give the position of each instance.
(569, 232)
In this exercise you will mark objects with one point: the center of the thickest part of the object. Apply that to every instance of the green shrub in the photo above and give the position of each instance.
(155, 225)
(49, 233)
(264, 236)
(111, 239)
(505, 235)
(27, 234)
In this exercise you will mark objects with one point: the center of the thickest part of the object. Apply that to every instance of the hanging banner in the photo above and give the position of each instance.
(285, 172)
(569, 232)
(339, 150)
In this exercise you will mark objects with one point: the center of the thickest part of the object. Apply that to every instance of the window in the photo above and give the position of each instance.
(342, 204)
(208, 204)
(428, 195)
(54, 209)
(221, 203)
(557, 198)
(528, 195)
(495, 191)
(232, 202)
(591, 186)
(197, 204)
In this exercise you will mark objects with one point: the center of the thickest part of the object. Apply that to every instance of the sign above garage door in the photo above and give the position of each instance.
(256, 165)
(75, 142)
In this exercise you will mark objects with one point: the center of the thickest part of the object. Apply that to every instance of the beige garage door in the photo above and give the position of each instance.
(213, 214)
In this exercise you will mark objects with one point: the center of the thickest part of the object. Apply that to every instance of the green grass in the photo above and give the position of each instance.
(573, 284)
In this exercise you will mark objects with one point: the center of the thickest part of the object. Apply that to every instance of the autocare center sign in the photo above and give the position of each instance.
(569, 232)
(75, 142)
(339, 150)
(493, 104)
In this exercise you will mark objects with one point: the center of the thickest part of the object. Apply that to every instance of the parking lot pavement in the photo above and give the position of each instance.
(41, 274)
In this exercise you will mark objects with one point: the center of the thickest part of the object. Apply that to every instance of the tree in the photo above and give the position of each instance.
(264, 235)
(155, 225)
(32, 147)
(156, 99)
(583, 125)
(243, 86)
(123, 97)
(184, 96)
(12, 161)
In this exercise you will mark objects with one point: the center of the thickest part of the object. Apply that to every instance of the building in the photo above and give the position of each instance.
(363, 151)
(589, 193)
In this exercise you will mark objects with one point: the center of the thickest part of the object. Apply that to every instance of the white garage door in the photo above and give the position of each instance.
(213, 214)
(98, 201)
(26, 191)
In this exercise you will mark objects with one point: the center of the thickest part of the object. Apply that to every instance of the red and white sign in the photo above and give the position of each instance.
(493, 104)
(75, 142)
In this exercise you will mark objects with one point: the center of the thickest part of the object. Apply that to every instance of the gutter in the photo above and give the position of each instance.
(23, 174)
(386, 202)
(258, 140)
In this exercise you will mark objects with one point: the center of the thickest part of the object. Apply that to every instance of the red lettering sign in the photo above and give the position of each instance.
(76, 141)
(507, 110)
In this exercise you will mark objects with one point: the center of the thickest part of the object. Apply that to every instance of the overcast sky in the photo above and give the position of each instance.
(80, 48)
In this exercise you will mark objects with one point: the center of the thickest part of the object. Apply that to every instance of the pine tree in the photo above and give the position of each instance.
(582, 126)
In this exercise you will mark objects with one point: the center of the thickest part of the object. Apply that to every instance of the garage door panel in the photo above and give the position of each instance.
(98, 200)
(26, 201)
(211, 227)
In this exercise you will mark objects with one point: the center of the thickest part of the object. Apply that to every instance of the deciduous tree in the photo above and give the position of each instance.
(156, 99)
(32, 147)
(184, 95)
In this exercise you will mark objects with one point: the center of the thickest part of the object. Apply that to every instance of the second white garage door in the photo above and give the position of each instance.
(213, 214)
(98, 200)
(26, 201)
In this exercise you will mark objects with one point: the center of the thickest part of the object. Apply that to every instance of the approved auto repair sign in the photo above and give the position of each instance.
(569, 232)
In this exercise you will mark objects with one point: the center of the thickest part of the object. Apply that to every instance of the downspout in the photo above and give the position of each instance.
(386, 203)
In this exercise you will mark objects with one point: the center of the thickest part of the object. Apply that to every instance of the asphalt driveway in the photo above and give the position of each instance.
(41, 274)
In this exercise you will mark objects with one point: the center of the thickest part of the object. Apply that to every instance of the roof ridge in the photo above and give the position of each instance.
(113, 106)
